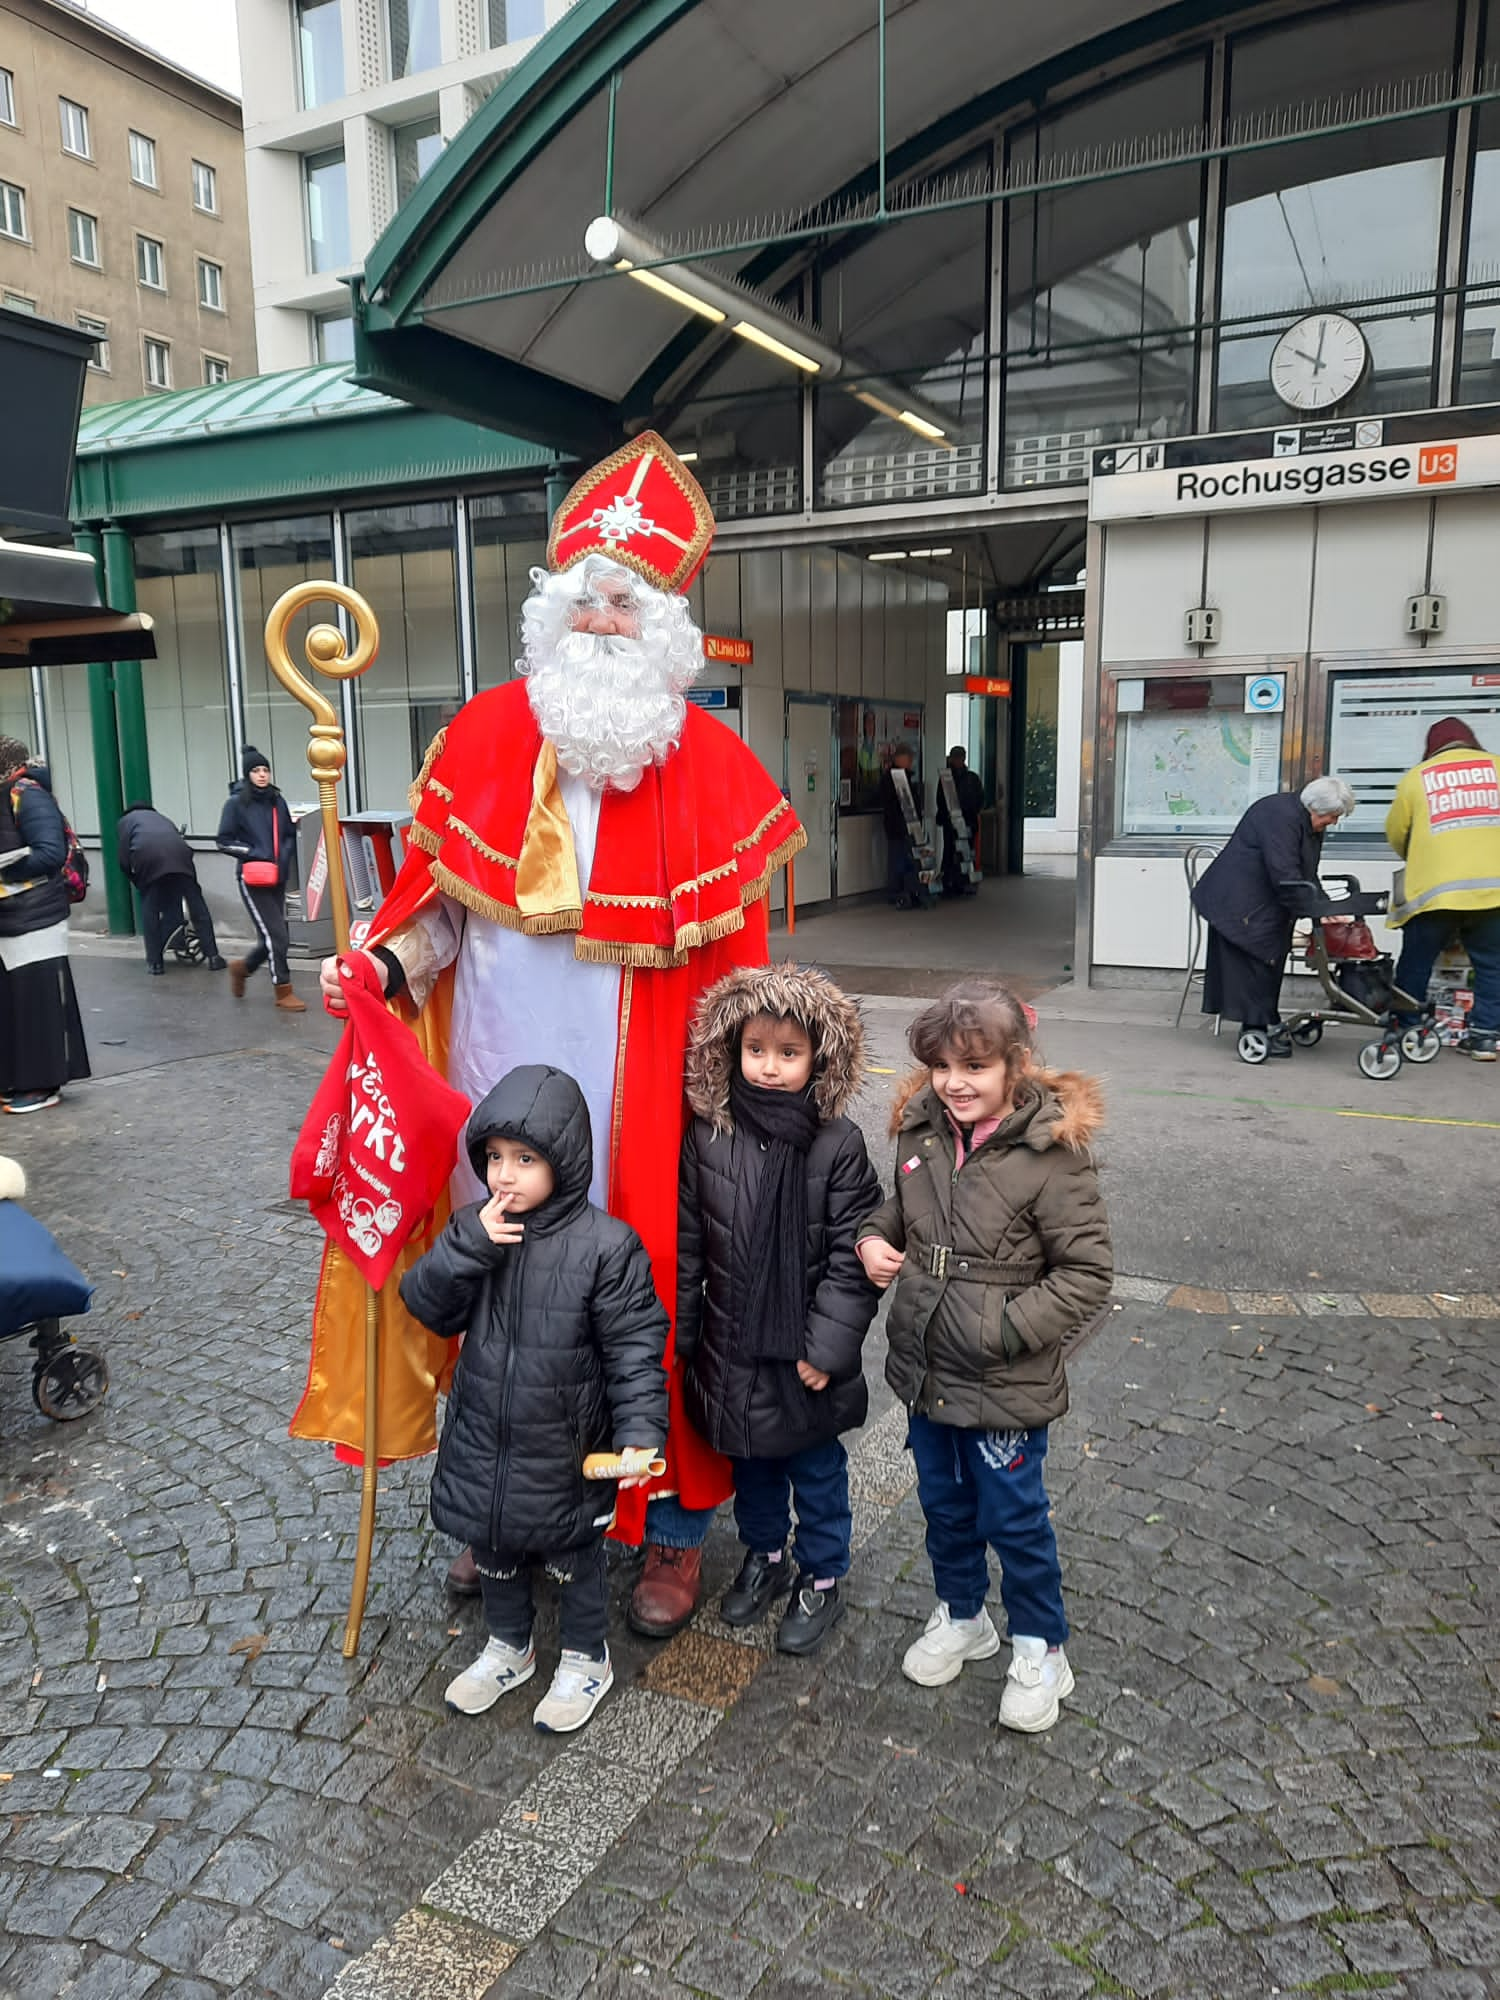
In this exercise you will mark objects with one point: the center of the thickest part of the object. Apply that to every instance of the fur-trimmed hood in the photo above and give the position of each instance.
(1058, 1107)
(12, 1180)
(782, 991)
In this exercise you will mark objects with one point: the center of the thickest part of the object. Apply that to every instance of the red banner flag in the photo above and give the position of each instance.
(381, 1136)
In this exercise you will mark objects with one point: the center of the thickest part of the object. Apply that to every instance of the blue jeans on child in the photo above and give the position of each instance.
(672, 1526)
(818, 1479)
(983, 1490)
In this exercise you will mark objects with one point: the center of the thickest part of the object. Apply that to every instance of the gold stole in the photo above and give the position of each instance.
(547, 890)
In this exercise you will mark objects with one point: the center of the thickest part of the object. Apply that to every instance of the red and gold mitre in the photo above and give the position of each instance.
(643, 509)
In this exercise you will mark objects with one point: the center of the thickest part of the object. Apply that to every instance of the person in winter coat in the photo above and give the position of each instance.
(1444, 822)
(562, 1358)
(772, 1305)
(1242, 897)
(968, 789)
(900, 863)
(997, 1238)
(41, 1029)
(155, 857)
(257, 828)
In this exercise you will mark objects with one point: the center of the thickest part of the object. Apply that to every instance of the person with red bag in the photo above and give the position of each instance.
(257, 828)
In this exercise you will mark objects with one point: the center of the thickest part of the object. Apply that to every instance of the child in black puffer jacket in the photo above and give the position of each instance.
(772, 1303)
(562, 1359)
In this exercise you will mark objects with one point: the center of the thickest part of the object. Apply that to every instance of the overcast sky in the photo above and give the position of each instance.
(198, 34)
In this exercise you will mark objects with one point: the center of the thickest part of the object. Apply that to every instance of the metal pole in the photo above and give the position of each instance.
(609, 145)
(130, 699)
(880, 21)
(106, 736)
(328, 654)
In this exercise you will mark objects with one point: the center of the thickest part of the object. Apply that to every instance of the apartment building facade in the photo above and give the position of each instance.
(347, 104)
(122, 203)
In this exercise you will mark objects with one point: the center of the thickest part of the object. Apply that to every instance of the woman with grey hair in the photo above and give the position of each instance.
(1243, 897)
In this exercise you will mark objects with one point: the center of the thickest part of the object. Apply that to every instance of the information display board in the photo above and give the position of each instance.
(1193, 770)
(1378, 724)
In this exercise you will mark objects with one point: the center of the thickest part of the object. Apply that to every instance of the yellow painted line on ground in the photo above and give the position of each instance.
(881, 1072)
(1328, 1110)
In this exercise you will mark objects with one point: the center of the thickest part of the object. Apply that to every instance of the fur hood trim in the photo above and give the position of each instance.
(12, 1179)
(778, 990)
(1067, 1107)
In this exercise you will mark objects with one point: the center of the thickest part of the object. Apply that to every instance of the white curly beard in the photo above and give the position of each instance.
(609, 706)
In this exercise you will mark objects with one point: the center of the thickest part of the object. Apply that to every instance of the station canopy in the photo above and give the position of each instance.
(742, 152)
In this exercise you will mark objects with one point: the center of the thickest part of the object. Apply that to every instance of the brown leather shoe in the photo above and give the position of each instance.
(239, 972)
(287, 1000)
(667, 1593)
(463, 1574)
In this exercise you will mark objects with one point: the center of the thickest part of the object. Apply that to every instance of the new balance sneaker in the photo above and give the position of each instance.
(1036, 1682)
(498, 1669)
(578, 1687)
(944, 1649)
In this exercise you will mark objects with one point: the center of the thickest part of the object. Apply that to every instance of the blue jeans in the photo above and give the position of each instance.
(818, 1480)
(1478, 931)
(981, 1488)
(672, 1526)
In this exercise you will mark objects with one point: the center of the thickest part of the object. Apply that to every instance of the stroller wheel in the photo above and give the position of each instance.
(1421, 1044)
(1253, 1046)
(1380, 1060)
(70, 1383)
(1307, 1034)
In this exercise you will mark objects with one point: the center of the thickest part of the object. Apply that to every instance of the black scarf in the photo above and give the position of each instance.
(773, 1324)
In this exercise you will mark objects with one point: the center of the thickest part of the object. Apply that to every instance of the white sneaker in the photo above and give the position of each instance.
(498, 1669)
(1036, 1682)
(939, 1655)
(578, 1687)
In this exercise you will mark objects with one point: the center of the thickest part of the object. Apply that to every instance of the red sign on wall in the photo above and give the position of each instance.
(735, 652)
(986, 684)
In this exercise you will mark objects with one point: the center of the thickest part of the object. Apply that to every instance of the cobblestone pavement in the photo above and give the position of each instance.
(1278, 1771)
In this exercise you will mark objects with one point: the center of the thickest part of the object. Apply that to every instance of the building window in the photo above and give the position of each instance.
(413, 37)
(416, 147)
(7, 98)
(75, 127)
(17, 302)
(83, 238)
(327, 190)
(215, 370)
(205, 188)
(210, 285)
(514, 20)
(158, 363)
(269, 557)
(404, 559)
(333, 337)
(142, 160)
(508, 536)
(320, 51)
(150, 263)
(99, 328)
(179, 582)
(12, 211)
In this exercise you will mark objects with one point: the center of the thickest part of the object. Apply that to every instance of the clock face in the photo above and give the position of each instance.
(1319, 361)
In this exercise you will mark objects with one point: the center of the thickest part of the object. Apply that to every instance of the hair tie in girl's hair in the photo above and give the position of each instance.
(1030, 1013)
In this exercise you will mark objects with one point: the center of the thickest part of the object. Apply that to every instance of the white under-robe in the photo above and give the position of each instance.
(520, 999)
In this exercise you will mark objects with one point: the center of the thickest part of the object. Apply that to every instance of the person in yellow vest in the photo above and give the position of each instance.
(1444, 822)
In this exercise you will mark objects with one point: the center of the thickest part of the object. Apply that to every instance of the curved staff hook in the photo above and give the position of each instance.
(327, 754)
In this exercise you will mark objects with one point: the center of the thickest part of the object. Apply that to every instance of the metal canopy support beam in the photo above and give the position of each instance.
(106, 739)
(130, 700)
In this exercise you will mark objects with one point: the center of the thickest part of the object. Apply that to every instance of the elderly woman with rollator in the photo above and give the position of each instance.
(1243, 897)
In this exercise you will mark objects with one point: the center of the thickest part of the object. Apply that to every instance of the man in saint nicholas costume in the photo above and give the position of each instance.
(589, 853)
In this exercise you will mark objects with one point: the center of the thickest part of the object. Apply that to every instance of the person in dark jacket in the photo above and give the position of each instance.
(257, 828)
(41, 1029)
(998, 1242)
(901, 864)
(969, 791)
(772, 1305)
(1243, 898)
(155, 857)
(562, 1358)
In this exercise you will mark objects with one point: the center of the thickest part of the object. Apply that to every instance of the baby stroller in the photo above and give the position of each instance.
(1359, 982)
(183, 940)
(39, 1288)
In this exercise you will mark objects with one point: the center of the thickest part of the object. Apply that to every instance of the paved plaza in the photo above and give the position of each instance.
(1277, 1502)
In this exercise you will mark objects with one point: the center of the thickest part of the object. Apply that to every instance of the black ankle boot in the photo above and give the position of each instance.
(761, 1580)
(810, 1616)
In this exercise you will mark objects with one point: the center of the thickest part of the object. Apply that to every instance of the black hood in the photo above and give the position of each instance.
(542, 1108)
